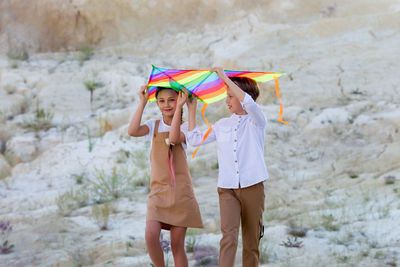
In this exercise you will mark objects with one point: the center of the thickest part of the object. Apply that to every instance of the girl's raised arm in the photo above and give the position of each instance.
(135, 129)
(175, 134)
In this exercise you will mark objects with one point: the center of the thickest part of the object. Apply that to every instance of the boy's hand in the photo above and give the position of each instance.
(220, 72)
(143, 94)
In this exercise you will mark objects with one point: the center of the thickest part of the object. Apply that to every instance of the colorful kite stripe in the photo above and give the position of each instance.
(205, 85)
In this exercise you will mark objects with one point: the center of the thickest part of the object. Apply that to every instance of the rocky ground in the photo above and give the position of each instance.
(74, 184)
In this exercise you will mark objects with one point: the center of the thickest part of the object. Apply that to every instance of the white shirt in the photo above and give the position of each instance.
(240, 145)
(162, 127)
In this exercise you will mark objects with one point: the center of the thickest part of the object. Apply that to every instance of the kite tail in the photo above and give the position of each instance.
(208, 131)
(171, 166)
(280, 102)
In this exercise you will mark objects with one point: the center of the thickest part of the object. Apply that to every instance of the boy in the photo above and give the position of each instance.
(242, 171)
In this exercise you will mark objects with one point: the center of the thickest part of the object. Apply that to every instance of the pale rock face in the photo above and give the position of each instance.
(21, 148)
(11, 105)
(5, 168)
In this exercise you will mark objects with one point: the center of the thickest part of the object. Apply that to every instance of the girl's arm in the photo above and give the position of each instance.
(135, 129)
(232, 87)
(175, 134)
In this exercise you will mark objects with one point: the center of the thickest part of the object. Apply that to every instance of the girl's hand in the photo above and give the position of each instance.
(143, 94)
(182, 98)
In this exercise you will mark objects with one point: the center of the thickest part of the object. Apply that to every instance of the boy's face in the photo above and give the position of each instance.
(234, 105)
(166, 102)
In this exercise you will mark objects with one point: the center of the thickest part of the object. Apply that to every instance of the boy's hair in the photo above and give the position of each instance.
(159, 89)
(247, 85)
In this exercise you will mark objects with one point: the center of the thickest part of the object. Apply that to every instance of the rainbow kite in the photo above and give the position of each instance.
(205, 85)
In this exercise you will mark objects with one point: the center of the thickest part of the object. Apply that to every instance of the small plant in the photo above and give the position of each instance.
(190, 243)
(166, 247)
(41, 121)
(109, 186)
(353, 176)
(90, 140)
(390, 179)
(104, 126)
(5, 231)
(205, 256)
(79, 178)
(342, 259)
(357, 92)
(344, 239)
(91, 86)
(18, 53)
(266, 253)
(72, 200)
(85, 53)
(101, 214)
(292, 243)
(297, 231)
(328, 223)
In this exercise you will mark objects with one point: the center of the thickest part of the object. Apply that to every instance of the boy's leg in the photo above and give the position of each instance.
(252, 199)
(178, 246)
(153, 229)
(229, 207)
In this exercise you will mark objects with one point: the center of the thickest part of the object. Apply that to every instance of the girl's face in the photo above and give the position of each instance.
(234, 105)
(166, 102)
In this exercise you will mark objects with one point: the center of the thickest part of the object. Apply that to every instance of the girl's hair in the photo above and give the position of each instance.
(247, 85)
(159, 89)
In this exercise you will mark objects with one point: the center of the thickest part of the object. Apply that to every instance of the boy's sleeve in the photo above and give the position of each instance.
(195, 137)
(254, 111)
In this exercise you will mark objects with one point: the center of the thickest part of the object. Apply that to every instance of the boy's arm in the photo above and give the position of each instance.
(192, 105)
(135, 129)
(176, 136)
(254, 111)
(247, 102)
(232, 87)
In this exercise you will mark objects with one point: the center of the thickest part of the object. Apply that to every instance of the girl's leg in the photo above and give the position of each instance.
(153, 229)
(178, 246)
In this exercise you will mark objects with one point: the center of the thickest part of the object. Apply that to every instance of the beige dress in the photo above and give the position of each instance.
(171, 204)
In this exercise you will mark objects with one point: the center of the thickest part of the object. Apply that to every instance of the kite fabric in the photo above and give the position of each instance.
(205, 85)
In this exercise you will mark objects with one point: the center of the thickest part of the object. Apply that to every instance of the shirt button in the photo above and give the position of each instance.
(235, 140)
(234, 150)
(235, 161)
(237, 172)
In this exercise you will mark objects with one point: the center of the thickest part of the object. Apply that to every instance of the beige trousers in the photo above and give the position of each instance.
(244, 205)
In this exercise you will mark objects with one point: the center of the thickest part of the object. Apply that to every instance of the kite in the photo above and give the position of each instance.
(205, 85)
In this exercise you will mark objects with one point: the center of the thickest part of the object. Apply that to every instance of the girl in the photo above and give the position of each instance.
(171, 203)
(242, 171)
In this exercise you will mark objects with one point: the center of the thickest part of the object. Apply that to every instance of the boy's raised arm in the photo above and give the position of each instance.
(135, 129)
(192, 105)
(232, 87)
